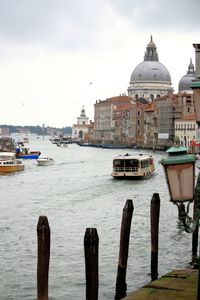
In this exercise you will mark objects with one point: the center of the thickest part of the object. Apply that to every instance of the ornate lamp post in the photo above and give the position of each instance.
(179, 168)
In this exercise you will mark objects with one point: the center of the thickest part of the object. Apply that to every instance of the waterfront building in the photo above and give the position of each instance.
(112, 121)
(186, 130)
(172, 107)
(139, 121)
(150, 79)
(150, 126)
(81, 128)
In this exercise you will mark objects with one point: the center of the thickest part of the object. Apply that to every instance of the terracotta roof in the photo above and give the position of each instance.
(149, 106)
(121, 99)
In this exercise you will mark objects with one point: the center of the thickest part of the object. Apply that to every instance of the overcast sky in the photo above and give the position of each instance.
(58, 55)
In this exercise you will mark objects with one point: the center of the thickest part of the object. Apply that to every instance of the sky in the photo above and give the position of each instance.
(57, 56)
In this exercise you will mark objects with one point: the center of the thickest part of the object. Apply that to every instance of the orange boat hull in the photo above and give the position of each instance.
(11, 169)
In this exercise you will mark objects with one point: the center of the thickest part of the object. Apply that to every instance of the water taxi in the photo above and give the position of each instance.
(45, 161)
(9, 163)
(130, 166)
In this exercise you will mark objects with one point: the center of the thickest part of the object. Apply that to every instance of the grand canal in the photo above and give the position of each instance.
(75, 193)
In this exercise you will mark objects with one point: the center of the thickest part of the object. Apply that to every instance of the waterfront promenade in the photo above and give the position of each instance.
(178, 284)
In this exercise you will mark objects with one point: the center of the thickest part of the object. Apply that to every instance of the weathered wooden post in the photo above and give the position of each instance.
(43, 235)
(123, 252)
(155, 213)
(196, 207)
(91, 248)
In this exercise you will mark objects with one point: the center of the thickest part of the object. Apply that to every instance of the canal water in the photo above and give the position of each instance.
(76, 193)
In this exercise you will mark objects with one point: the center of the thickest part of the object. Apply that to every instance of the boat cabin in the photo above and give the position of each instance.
(133, 166)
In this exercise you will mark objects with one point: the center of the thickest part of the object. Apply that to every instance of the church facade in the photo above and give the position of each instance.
(81, 128)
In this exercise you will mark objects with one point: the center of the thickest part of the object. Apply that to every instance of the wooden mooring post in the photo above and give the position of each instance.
(123, 252)
(155, 213)
(43, 237)
(91, 248)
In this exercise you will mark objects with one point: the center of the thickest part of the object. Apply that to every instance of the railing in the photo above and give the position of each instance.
(125, 169)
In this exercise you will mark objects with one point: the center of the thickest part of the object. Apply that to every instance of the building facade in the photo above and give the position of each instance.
(112, 121)
(186, 131)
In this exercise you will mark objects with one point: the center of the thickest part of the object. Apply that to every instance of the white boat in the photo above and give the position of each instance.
(130, 166)
(9, 163)
(45, 161)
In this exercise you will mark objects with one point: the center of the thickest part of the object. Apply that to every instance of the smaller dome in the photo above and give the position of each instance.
(185, 82)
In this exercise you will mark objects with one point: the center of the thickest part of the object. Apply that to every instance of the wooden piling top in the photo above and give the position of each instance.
(176, 285)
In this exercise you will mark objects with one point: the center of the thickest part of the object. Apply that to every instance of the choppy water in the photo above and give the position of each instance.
(75, 193)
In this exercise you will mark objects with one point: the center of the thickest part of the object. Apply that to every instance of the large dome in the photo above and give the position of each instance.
(186, 80)
(150, 71)
(150, 79)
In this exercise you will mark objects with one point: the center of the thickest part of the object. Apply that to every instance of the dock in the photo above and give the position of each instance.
(176, 285)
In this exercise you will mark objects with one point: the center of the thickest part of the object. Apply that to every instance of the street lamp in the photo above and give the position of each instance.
(179, 168)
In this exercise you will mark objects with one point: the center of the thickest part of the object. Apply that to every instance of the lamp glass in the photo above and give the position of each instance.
(180, 178)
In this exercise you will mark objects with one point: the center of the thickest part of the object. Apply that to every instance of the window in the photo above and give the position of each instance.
(144, 163)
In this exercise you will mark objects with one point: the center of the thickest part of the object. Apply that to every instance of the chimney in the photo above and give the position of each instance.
(197, 60)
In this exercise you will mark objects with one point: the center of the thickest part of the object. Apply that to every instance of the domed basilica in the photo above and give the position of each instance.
(150, 79)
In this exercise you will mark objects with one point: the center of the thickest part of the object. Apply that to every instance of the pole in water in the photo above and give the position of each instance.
(123, 252)
(155, 213)
(43, 236)
(91, 249)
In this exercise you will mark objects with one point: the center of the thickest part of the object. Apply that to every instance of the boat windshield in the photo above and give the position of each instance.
(145, 163)
(132, 163)
(118, 163)
(6, 157)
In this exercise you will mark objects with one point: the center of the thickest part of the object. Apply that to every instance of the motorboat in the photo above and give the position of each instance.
(9, 163)
(25, 153)
(131, 166)
(45, 161)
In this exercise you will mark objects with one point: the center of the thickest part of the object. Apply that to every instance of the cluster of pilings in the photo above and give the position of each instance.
(91, 250)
